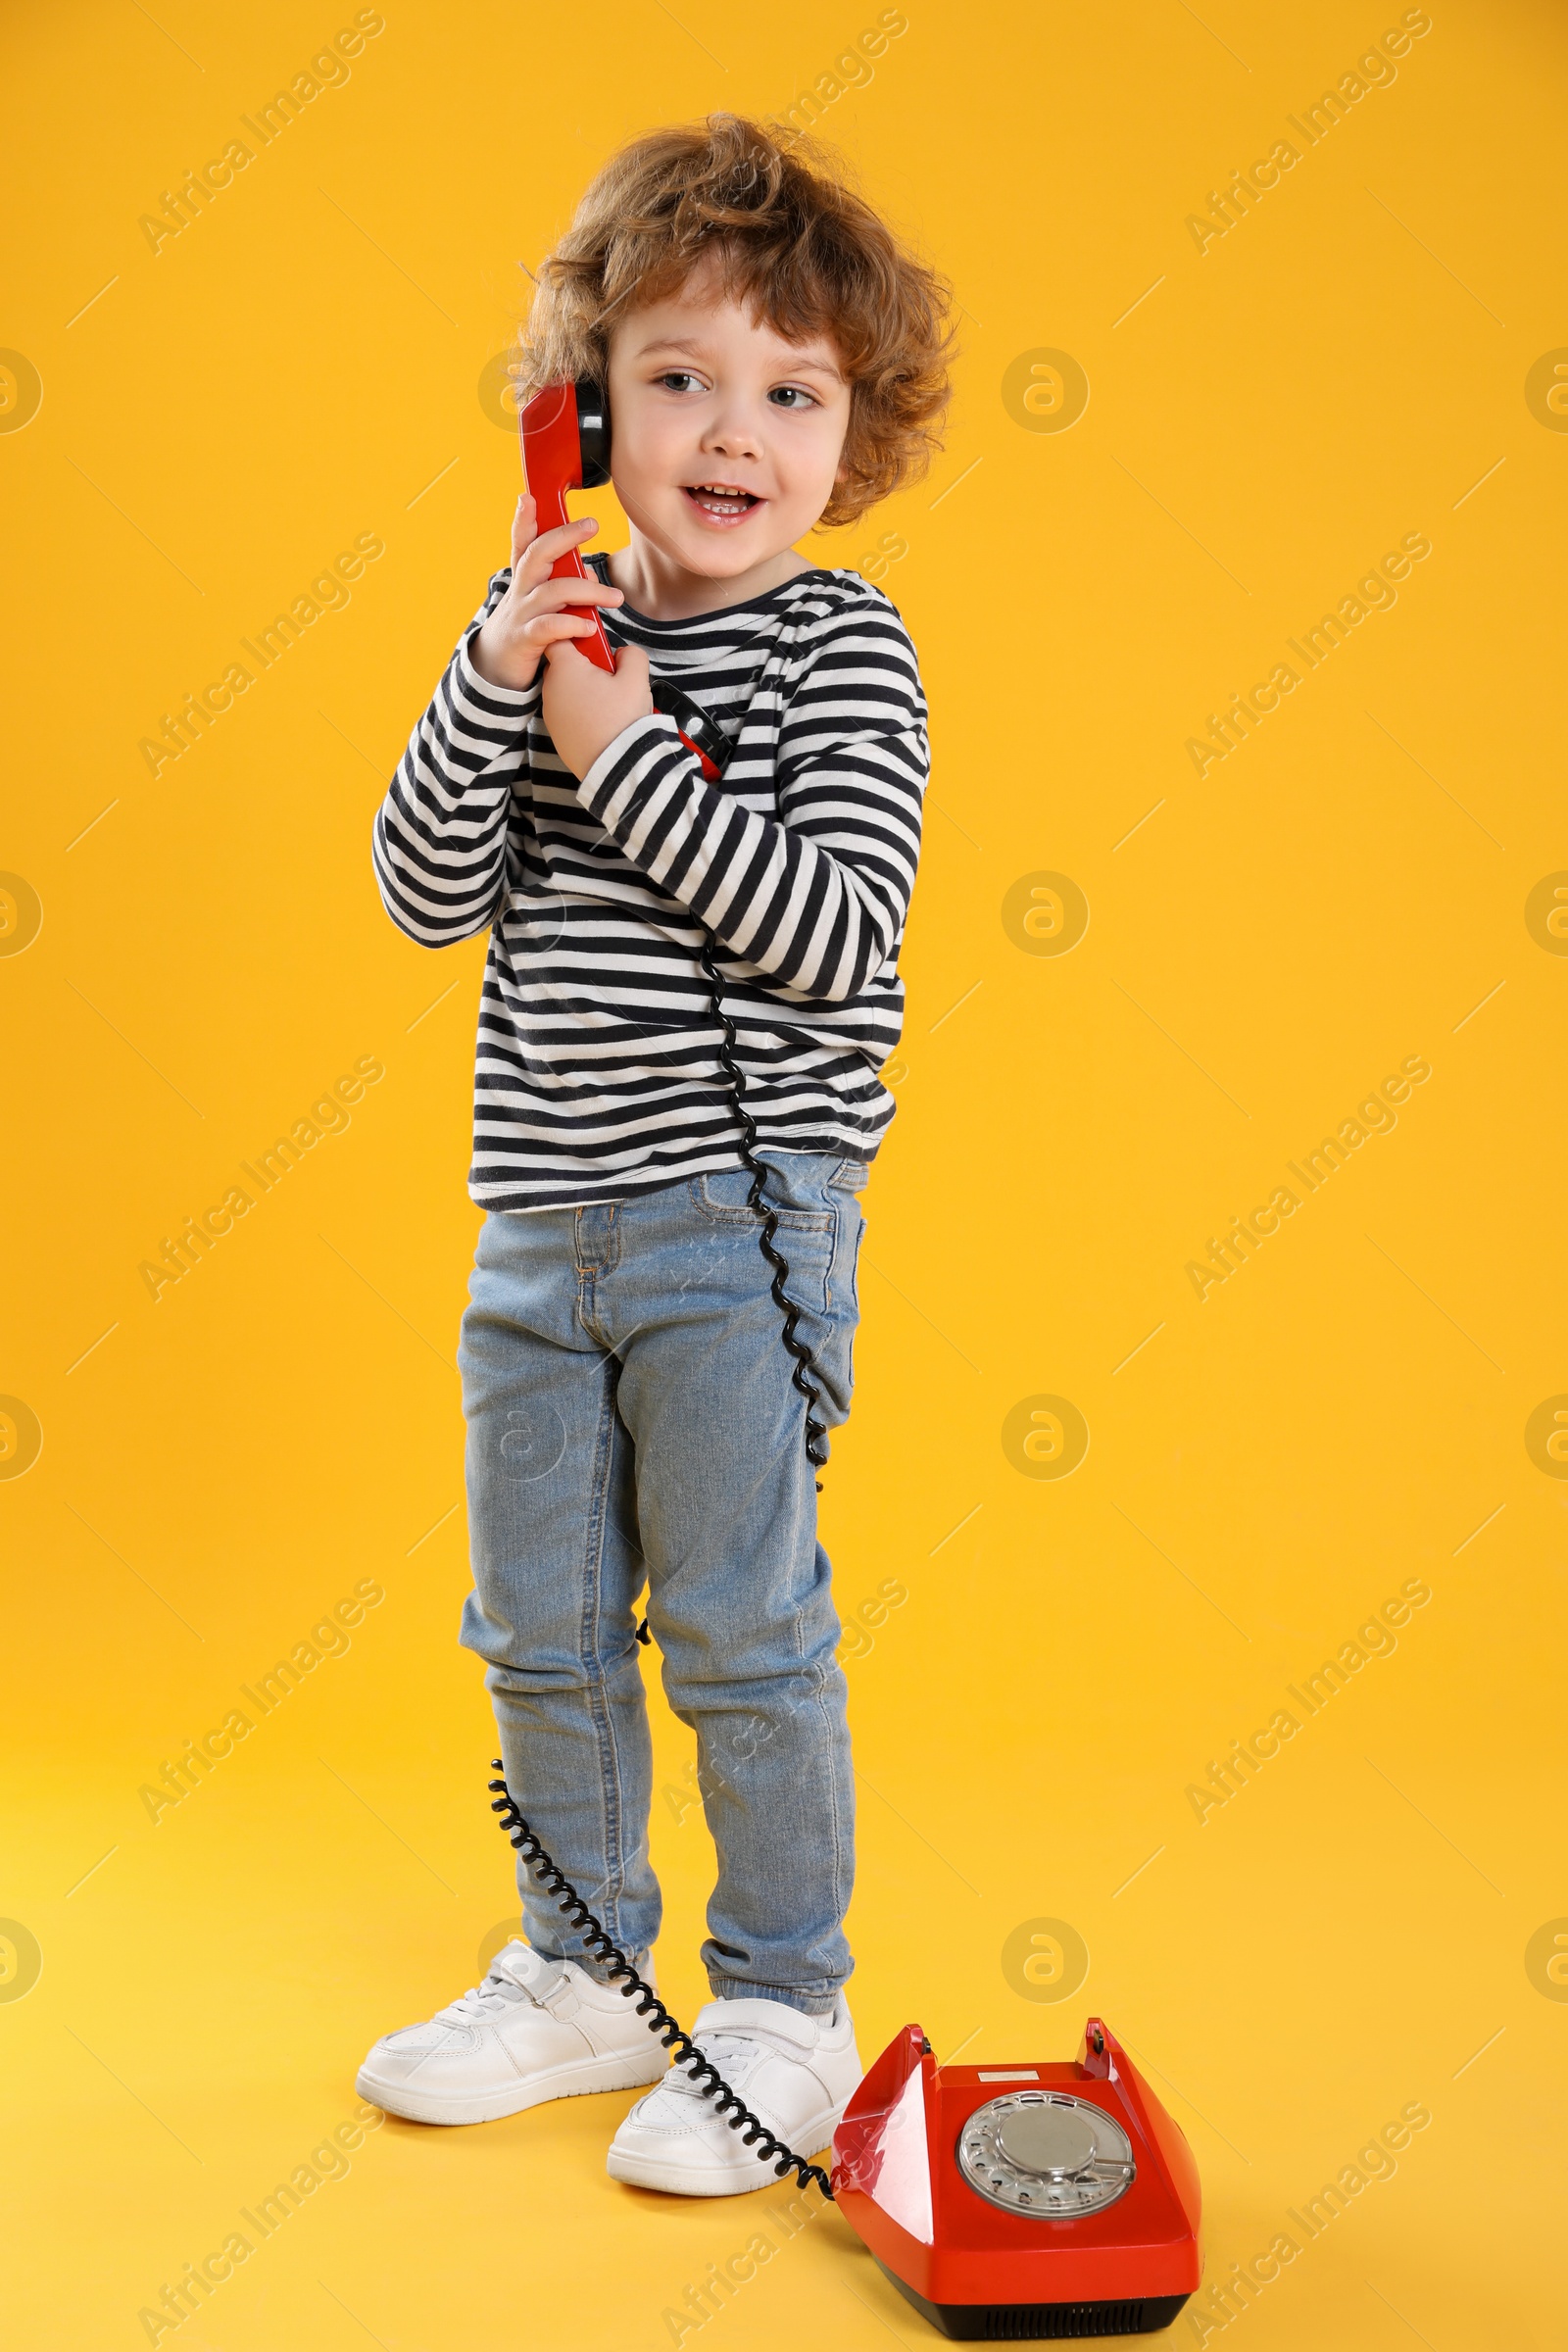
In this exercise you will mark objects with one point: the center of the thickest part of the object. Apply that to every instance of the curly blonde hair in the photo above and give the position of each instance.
(796, 243)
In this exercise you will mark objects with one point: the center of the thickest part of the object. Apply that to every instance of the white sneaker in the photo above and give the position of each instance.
(535, 2029)
(797, 2073)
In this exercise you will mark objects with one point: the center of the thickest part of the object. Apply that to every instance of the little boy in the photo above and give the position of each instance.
(775, 360)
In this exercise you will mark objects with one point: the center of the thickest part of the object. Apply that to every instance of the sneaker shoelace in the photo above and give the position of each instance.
(482, 2003)
(734, 2054)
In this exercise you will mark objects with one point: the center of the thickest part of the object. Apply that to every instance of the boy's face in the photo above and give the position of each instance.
(725, 440)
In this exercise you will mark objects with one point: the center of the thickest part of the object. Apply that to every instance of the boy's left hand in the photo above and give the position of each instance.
(584, 709)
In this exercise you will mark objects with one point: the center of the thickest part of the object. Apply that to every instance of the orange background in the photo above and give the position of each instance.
(1369, 1923)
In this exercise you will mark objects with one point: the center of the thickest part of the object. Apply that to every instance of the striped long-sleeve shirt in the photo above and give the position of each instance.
(598, 1074)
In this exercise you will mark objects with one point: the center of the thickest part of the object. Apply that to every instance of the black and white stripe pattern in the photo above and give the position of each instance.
(597, 1071)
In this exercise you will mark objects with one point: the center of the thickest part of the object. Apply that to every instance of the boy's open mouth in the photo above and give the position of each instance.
(721, 500)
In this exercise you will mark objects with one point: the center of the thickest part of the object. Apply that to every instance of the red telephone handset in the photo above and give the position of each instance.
(565, 446)
(1022, 2201)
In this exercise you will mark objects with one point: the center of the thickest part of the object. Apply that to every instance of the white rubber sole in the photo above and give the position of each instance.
(615, 2071)
(678, 2180)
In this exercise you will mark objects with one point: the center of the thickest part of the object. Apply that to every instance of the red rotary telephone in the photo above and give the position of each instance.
(565, 446)
(1014, 2203)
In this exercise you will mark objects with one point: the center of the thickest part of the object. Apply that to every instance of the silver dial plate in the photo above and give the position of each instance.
(1045, 2153)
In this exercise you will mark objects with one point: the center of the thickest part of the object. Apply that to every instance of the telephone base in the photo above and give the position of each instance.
(1038, 2322)
(1018, 2215)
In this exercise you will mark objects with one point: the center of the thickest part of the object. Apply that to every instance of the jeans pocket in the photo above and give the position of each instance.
(806, 1237)
(722, 1195)
(843, 1289)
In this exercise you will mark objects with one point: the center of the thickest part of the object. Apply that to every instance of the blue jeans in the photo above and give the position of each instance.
(631, 1418)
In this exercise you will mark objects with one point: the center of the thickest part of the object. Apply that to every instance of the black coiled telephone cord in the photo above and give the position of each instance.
(801, 1366)
(704, 2075)
(595, 1941)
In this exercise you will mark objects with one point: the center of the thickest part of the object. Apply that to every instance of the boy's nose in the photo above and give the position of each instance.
(732, 438)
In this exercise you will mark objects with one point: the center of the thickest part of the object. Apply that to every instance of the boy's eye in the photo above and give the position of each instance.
(794, 395)
(676, 380)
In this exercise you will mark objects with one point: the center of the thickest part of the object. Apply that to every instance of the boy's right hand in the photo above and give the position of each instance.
(532, 613)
